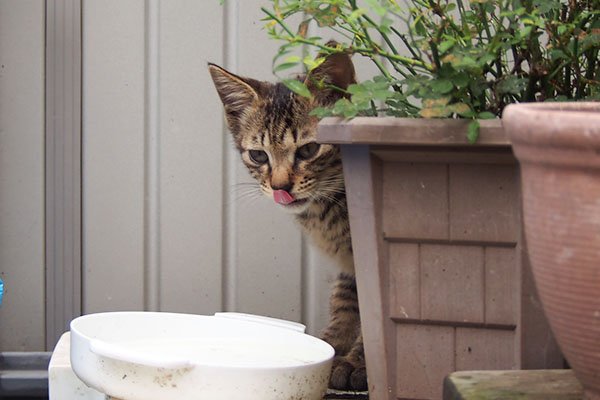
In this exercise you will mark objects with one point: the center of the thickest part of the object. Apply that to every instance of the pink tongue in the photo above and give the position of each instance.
(282, 197)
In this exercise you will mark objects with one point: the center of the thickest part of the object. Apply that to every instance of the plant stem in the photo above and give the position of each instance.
(394, 57)
(406, 43)
(383, 34)
(435, 54)
(279, 21)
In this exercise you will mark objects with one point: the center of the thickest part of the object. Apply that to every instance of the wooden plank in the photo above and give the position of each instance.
(513, 385)
(409, 131)
(445, 155)
(483, 203)
(485, 349)
(425, 355)
(404, 281)
(452, 283)
(415, 200)
(501, 286)
(360, 167)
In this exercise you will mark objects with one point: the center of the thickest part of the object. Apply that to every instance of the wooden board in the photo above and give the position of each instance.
(508, 385)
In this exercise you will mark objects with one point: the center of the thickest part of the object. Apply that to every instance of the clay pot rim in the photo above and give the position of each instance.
(566, 124)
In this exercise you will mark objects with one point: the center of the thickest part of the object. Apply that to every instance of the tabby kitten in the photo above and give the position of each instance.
(276, 137)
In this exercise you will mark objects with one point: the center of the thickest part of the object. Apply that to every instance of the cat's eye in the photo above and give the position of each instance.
(258, 156)
(308, 150)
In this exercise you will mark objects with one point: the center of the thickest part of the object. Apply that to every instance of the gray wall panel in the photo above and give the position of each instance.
(166, 221)
(191, 158)
(22, 174)
(113, 155)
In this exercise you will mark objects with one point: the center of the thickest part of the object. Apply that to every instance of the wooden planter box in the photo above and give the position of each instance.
(442, 271)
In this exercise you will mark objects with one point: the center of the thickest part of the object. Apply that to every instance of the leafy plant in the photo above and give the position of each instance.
(445, 58)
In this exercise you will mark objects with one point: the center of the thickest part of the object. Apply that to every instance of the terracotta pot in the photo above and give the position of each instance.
(558, 146)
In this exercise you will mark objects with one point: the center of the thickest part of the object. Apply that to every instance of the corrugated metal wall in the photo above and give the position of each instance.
(22, 174)
(166, 222)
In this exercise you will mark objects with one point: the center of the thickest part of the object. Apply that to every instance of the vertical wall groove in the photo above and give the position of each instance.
(63, 166)
(308, 278)
(152, 159)
(229, 242)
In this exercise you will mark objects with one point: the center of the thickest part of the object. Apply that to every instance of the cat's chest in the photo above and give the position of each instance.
(328, 227)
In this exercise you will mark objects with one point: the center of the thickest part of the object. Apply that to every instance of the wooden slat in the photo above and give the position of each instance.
(501, 289)
(408, 131)
(485, 349)
(425, 357)
(452, 283)
(513, 385)
(404, 290)
(482, 203)
(420, 188)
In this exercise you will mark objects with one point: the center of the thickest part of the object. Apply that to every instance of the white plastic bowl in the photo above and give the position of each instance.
(147, 356)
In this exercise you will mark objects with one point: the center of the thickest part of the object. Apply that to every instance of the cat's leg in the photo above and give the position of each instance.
(350, 371)
(343, 333)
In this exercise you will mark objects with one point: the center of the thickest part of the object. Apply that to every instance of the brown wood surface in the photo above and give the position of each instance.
(513, 385)
(452, 283)
(485, 349)
(408, 131)
(484, 203)
(501, 289)
(425, 355)
(370, 283)
(415, 203)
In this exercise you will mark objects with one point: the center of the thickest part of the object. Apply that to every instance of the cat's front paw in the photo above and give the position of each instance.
(347, 374)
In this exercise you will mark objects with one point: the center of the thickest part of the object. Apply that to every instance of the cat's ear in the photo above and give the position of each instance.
(337, 70)
(237, 93)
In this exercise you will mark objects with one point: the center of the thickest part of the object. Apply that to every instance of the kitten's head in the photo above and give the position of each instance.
(276, 136)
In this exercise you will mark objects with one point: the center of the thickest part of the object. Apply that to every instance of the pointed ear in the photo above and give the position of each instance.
(237, 93)
(337, 70)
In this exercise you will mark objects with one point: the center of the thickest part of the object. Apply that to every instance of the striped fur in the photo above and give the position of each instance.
(275, 135)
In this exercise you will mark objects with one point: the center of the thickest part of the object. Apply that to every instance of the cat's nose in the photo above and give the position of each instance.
(282, 186)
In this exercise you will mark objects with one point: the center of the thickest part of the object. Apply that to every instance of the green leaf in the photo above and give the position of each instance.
(525, 31)
(512, 84)
(486, 115)
(562, 29)
(356, 14)
(356, 89)
(442, 86)
(462, 109)
(460, 80)
(473, 131)
(556, 54)
(446, 45)
(465, 63)
(436, 108)
(312, 63)
(543, 6)
(297, 87)
(591, 41)
(382, 94)
(283, 66)
(321, 112)
(419, 27)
